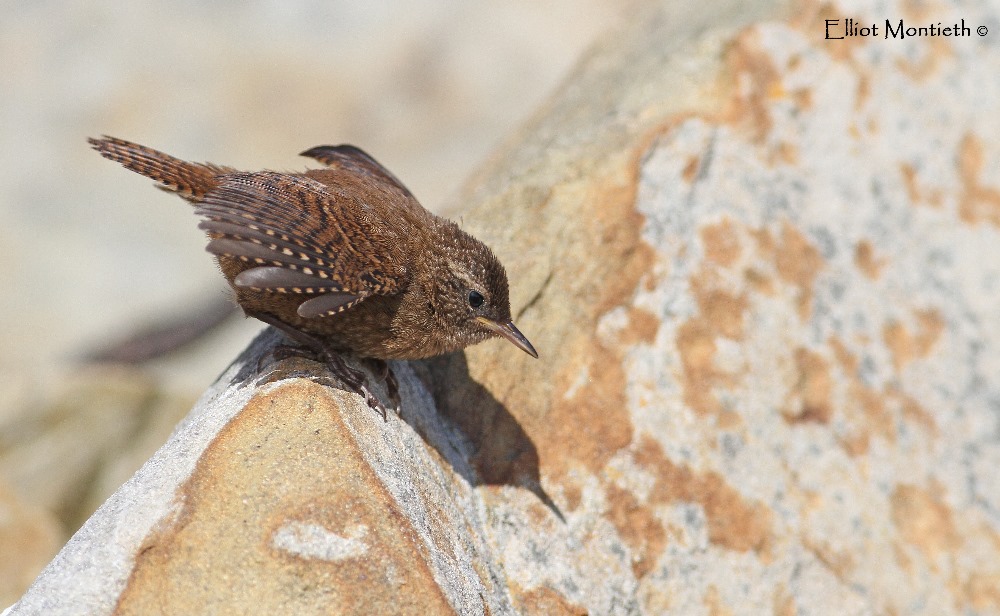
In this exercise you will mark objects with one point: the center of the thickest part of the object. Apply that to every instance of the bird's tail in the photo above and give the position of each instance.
(190, 180)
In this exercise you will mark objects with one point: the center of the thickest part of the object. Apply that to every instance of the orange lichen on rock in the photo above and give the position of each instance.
(798, 263)
(880, 409)
(924, 521)
(592, 387)
(845, 359)
(914, 191)
(722, 309)
(691, 169)
(869, 416)
(714, 603)
(982, 591)
(904, 346)
(809, 399)
(695, 340)
(900, 343)
(757, 82)
(638, 527)
(784, 602)
(758, 281)
(623, 255)
(720, 313)
(573, 494)
(910, 180)
(641, 327)
(978, 586)
(913, 412)
(877, 416)
(696, 344)
(839, 562)
(866, 261)
(722, 244)
(734, 523)
(977, 202)
(783, 153)
(544, 600)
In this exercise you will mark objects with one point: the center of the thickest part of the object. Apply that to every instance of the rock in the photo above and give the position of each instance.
(295, 496)
(759, 267)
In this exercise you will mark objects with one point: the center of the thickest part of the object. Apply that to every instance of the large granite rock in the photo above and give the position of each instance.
(761, 270)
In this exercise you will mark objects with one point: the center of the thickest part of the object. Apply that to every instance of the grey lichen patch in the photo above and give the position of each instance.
(312, 540)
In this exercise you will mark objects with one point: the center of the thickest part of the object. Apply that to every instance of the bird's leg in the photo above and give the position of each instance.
(384, 371)
(284, 351)
(353, 379)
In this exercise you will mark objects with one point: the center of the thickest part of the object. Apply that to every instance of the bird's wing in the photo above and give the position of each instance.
(353, 160)
(350, 161)
(301, 238)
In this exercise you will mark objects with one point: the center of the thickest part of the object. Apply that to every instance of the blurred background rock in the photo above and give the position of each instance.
(91, 253)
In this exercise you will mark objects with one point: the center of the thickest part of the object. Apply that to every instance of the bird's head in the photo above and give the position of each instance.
(472, 298)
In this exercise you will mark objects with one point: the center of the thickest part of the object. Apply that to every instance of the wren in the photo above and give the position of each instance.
(340, 259)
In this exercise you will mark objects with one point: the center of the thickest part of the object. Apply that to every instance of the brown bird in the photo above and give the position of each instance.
(340, 259)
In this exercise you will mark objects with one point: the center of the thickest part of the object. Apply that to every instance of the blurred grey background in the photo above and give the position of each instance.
(91, 251)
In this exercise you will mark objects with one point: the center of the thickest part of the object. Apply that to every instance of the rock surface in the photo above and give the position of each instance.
(761, 270)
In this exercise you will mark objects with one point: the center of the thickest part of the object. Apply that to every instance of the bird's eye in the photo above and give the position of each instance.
(476, 299)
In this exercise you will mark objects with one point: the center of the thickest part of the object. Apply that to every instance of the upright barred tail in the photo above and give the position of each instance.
(190, 180)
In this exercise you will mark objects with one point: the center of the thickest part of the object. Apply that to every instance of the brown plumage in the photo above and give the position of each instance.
(342, 258)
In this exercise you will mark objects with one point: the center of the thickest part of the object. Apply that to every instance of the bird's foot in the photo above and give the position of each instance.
(383, 370)
(314, 348)
(355, 380)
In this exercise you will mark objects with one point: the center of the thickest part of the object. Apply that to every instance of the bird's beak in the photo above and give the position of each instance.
(508, 331)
